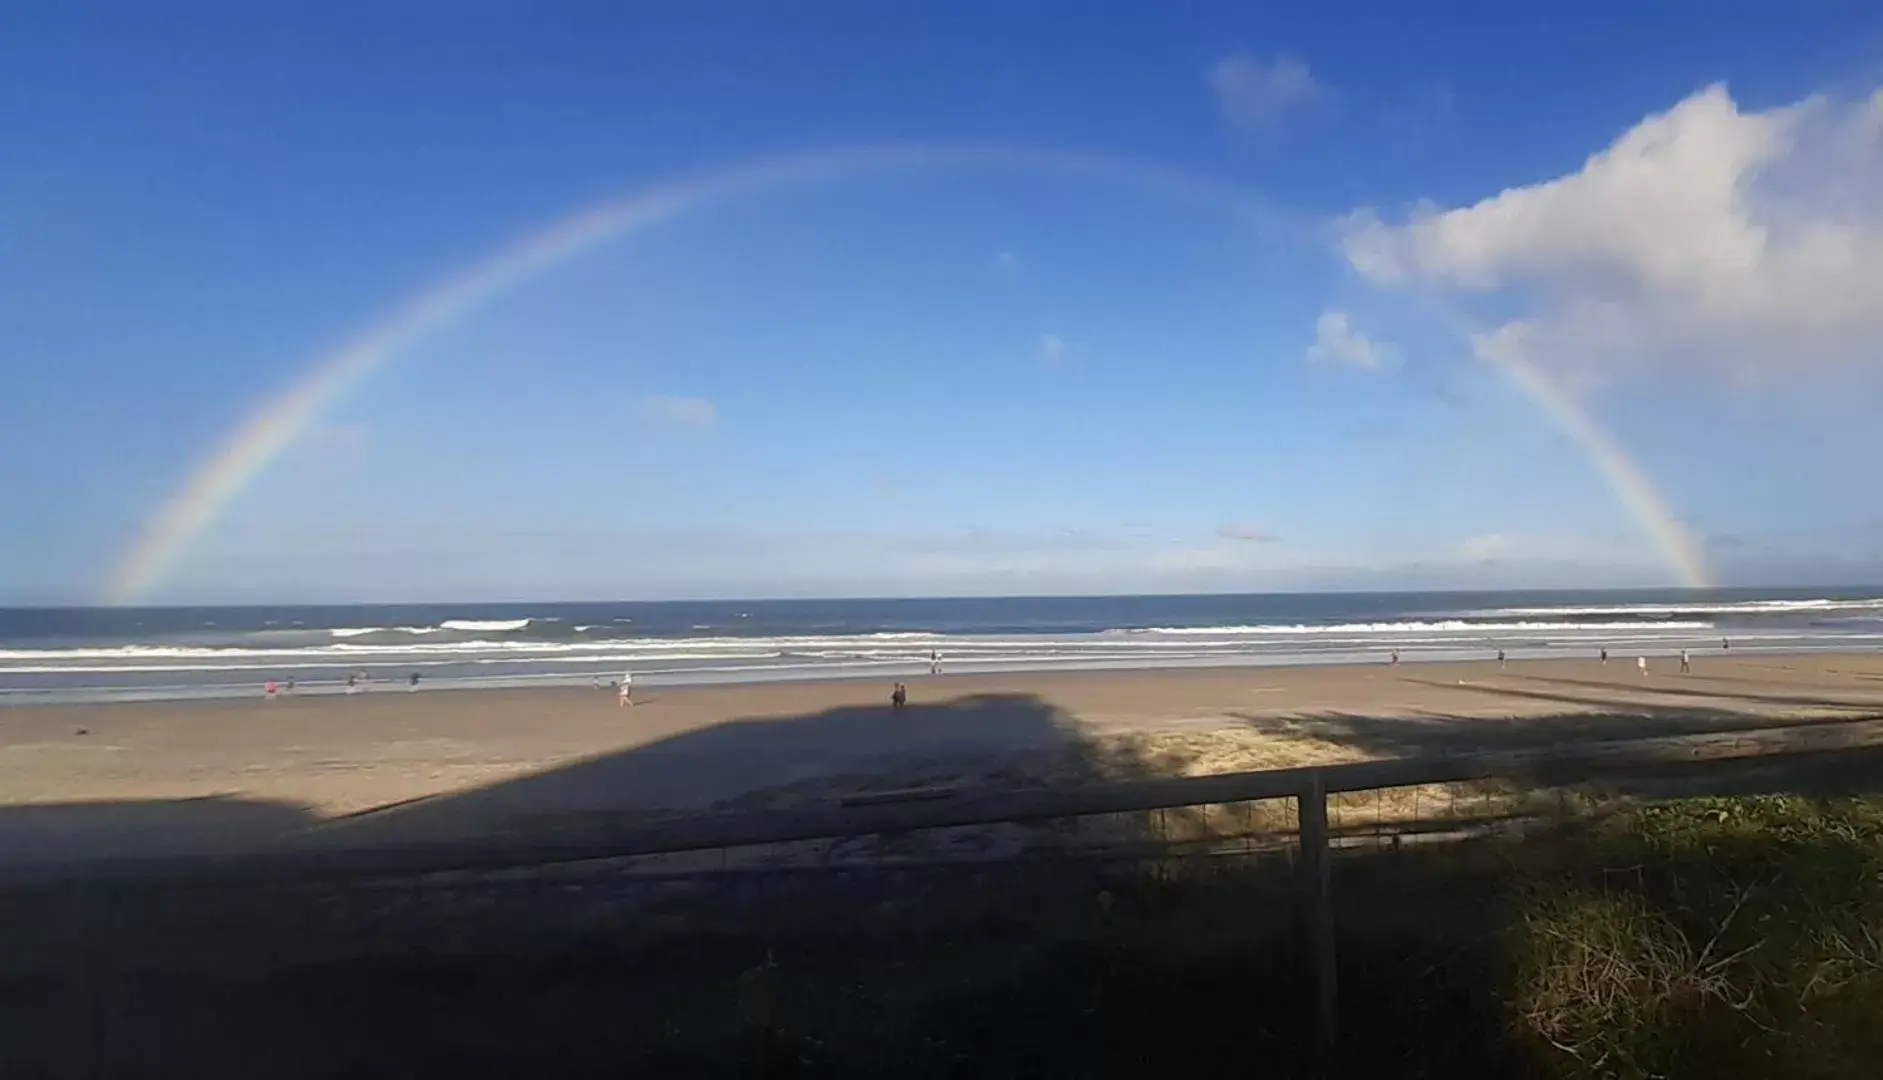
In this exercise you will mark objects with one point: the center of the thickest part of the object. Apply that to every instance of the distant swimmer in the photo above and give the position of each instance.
(625, 696)
(289, 688)
(898, 697)
(1725, 644)
(1686, 662)
(1641, 664)
(1605, 656)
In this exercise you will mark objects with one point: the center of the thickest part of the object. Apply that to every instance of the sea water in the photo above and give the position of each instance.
(82, 654)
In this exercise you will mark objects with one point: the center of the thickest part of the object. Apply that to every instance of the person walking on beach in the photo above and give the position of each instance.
(1686, 662)
(1605, 654)
(898, 698)
(413, 684)
(1500, 658)
(626, 697)
(934, 662)
(1394, 662)
(1641, 664)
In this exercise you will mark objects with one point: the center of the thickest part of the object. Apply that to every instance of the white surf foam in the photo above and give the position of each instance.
(1751, 607)
(477, 626)
(1445, 626)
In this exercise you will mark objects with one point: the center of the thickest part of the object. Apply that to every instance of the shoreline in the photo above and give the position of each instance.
(903, 672)
(818, 674)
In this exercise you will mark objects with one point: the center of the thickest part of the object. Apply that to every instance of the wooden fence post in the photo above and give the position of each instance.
(1317, 916)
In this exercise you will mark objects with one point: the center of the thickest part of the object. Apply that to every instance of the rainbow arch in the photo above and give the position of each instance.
(240, 457)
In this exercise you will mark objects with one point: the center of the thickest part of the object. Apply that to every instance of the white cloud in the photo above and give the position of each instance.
(1254, 94)
(1704, 236)
(1338, 341)
(1488, 547)
(1249, 533)
(309, 555)
(1198, 560)
(690, 412)
(1052, 348)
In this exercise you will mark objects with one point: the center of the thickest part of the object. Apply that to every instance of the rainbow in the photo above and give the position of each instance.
(1501, 349)
(235, 463)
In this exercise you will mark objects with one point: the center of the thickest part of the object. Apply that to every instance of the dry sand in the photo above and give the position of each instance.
(204, 776)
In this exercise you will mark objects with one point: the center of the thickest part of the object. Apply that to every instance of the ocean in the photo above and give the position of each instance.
(92, 654)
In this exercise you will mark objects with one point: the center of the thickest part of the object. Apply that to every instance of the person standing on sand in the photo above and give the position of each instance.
(1641, 663)
(1605, 655)
(1686, 662)
(269, 689)
(353, 684)
(626, 697)
(934, 662)
(898, 697)
(1394, 662)
(413, 685)
(1500, 658)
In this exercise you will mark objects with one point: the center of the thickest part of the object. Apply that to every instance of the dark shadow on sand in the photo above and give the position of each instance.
(1422, 734)
(1668, 686)
(767, 762)
(57, 832)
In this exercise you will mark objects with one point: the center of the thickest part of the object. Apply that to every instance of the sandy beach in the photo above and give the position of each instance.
(213, 776)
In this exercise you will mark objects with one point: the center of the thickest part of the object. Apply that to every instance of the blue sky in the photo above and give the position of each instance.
(979, 375)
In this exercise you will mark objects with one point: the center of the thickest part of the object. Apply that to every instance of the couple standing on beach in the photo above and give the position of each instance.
(899, 694)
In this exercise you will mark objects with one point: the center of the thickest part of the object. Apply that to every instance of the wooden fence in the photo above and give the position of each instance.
(896, 812)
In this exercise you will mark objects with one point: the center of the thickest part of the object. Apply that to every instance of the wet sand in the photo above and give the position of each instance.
(205, 776)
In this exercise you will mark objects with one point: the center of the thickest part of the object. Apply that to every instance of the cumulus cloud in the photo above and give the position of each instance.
(1338, 341)
(1705, 236)
(1245, 532)
(688, 412)
(1256, 94)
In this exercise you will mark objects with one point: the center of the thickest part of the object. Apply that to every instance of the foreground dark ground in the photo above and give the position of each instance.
(1737, 935)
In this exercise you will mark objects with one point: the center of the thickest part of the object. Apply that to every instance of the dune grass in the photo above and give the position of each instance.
(1713, 937)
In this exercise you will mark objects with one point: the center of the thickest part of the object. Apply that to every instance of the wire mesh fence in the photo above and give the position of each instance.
(93, 972)
(99, 975)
